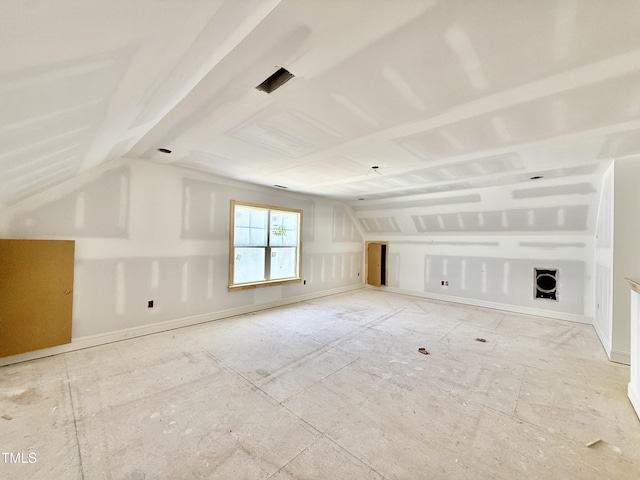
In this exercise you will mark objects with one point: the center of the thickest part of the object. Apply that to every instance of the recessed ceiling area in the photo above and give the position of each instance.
(441, 95)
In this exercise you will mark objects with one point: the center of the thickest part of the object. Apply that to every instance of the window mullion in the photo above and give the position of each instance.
(267, 263)
(267, 255)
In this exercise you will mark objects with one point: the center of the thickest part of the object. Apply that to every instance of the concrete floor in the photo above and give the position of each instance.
(333, 388)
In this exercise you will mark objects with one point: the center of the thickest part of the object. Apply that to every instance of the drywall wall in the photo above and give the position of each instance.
(603, 274)
(626, 260)
(487, 241)
(153, 232)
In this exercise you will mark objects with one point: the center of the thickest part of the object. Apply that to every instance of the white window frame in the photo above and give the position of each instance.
(268, 248)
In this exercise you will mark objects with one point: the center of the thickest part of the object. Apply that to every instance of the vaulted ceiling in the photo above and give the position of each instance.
(440, 95)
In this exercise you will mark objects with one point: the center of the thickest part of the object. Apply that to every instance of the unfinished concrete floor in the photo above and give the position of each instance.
(333, 388)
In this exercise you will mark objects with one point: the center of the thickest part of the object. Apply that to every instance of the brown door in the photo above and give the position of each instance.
(374, 270)
(36, 294)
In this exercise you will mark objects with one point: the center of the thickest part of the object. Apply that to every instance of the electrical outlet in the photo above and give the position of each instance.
(150, 304)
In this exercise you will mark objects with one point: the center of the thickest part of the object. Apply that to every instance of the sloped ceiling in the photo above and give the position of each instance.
(440, 95)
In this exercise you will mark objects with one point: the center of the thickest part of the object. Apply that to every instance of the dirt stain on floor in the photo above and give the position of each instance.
(25, 397)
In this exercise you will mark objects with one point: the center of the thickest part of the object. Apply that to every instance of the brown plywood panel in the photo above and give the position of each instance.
(36, 292)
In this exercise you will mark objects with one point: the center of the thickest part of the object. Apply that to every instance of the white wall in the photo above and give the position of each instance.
(486, 243)
(626, 251)
(634, 357)
(150, 232)
(603, 274)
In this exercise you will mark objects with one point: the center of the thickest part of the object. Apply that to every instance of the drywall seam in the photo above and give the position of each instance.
(495, 305)
(606, 343)
(125, 334)
(620, 357)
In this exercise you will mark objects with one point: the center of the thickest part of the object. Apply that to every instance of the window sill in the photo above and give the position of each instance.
(270, 283)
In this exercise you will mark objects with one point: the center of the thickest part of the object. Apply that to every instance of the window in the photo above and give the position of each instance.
(265, 245)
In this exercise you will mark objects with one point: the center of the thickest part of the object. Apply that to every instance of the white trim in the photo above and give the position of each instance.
(268, 248)
(620, 357)
(634, 397)
(495, 305)
(115, 336)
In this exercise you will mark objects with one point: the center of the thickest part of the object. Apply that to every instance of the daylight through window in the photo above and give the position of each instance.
(265, 245)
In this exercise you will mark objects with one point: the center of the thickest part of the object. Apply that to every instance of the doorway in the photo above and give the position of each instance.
(376, 263)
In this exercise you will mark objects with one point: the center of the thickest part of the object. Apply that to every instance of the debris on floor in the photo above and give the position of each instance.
(7, 417)
(483, 340)
(599, 444)
(423, 351)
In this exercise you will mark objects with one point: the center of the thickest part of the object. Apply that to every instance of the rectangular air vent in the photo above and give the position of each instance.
(545, 283)
(275, 81)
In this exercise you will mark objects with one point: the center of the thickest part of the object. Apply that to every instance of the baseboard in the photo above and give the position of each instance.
(125, 334)
(634, 397)
(620, 357)
(494, 305)
(606, 343)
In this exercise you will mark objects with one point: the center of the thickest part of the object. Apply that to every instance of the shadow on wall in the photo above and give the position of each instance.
(507, 281)
(99, 209)
(394, 270)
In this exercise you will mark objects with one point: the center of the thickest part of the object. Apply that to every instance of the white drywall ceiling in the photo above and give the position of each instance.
(441, 95)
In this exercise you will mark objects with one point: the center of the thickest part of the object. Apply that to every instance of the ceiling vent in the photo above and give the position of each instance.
(275, 81)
